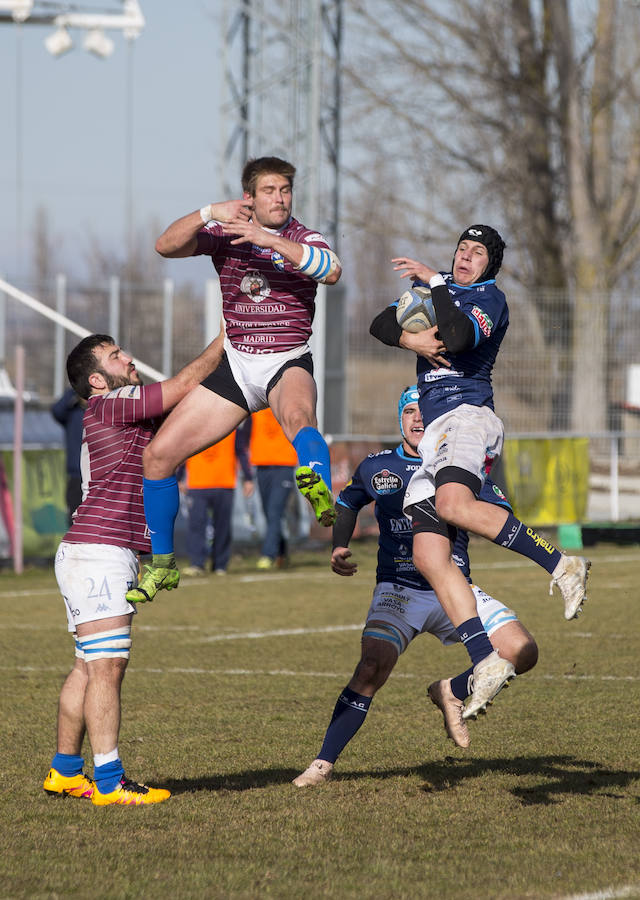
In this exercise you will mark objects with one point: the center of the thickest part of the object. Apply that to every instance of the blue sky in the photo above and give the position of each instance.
(64, 135)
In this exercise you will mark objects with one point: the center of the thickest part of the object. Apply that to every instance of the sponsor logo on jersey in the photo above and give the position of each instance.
(483, 320)
(260, 338)
(278, 261)
(540, 541)
(498, 492)
(399, 526)
(270, 308)
(255, 286)
(386, 482)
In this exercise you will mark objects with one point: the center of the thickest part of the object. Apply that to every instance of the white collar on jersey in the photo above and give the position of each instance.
(277, 230)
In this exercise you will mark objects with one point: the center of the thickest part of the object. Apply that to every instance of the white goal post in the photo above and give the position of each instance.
(69, 324)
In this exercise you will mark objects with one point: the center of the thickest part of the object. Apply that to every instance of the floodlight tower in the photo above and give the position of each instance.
(282, 62)
(282, 96)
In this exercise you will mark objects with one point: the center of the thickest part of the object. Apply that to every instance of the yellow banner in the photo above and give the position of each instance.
(547, 479)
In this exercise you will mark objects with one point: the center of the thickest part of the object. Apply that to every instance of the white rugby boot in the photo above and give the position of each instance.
(318, 772)
(571, 575)
(443, 697)
(490, 675)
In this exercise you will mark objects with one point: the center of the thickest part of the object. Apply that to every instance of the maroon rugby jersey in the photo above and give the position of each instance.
(268, 305)
(117, 428)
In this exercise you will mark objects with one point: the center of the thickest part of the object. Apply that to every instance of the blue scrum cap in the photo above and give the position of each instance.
(409, 395)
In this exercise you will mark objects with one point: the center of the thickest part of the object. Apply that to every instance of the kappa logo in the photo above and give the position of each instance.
(102, 607)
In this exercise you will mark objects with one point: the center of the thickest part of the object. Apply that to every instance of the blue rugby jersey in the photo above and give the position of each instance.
(469, 378)
(382, 478)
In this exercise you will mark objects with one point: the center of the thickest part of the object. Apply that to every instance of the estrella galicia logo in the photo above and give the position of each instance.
(386, 482)
(278, 261)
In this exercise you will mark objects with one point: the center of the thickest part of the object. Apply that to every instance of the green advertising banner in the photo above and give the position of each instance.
(44, 509)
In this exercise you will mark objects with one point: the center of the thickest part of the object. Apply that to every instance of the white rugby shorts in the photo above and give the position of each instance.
(415, 612)
(469, 437)
(94, 579)
(253, 373)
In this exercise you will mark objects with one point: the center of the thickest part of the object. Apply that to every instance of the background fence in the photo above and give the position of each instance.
(166, 325)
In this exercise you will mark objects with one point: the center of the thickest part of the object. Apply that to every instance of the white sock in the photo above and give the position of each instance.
(101, 759)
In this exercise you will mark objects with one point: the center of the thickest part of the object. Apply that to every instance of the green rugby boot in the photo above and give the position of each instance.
(154, 579)
(312, 486)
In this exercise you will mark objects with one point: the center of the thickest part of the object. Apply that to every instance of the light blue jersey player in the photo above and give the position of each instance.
(462, 439)
(404, 605)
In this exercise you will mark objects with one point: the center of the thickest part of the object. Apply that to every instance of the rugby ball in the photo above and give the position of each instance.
(415, 311)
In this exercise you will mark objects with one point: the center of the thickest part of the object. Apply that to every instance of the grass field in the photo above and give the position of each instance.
(230, 687)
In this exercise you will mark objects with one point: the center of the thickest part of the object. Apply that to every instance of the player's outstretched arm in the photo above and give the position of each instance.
(319, 263)
(411, 268)
(174, 389)
(343, 529)
(179, 239)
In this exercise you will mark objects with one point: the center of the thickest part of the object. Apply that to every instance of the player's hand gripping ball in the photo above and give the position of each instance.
(415, 311)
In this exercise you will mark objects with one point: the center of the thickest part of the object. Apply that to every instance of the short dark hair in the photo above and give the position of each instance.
(82, 362)
(265, 165)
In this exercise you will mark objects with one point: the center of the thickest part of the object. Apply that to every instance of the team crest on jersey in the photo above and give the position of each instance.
(483, 320)
(278, 261)
(386, 482)
(255, 286)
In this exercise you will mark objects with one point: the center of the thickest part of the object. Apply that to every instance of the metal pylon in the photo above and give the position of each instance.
(282, 97)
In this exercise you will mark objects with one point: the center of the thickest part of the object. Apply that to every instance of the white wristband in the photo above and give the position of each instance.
(206, 214)
(436, 280)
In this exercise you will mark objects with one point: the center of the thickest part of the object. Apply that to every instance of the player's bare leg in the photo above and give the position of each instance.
(200, 420)
(457, 504)
(432, 557)
(293, 401)
(71, 732)
(515, 644)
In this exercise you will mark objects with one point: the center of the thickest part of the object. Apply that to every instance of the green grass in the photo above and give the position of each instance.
(545, 803)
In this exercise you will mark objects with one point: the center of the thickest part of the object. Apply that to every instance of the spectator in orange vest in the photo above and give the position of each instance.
(209, 481)
(274, 459)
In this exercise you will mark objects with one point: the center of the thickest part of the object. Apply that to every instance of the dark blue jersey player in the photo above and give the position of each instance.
(463, 437)
(404, 605)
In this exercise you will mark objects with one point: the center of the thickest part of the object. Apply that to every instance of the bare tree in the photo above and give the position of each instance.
(529, 112)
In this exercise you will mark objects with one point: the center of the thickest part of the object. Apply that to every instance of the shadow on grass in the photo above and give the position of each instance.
(558, 776)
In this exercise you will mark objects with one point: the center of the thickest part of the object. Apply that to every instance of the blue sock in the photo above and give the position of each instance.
(108, 777)
(474, 638)
(349, 714)
(460, 685)
(312, 451)
(519, 537)
(161, 504)
(67, 764)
